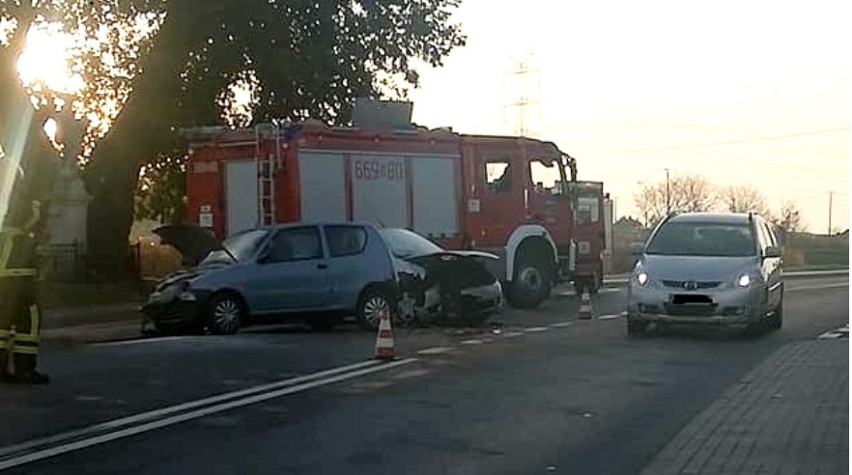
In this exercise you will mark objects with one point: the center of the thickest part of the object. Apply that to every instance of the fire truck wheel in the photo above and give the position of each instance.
(530, 285)
(225, 314)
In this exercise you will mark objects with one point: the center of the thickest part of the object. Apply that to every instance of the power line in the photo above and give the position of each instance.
(715, 144)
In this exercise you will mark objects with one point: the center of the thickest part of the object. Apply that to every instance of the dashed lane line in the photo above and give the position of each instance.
(472, 342)
(139, 341)
(436, 350)
(839, 333)
(536, 329)
(561, 324)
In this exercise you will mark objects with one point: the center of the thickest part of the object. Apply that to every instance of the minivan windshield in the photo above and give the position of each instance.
(241, 245)
(703, 239)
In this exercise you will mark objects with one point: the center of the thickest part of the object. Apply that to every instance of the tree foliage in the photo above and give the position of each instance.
(743, 199)
(682, 194)
(788, 221)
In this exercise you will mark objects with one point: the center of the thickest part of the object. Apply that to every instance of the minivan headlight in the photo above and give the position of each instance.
(744, 280)
(642, 278)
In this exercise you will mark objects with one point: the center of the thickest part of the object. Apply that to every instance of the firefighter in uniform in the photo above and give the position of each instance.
(28, 181)
(20, 314)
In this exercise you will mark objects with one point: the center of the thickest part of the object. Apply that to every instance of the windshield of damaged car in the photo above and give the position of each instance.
(404, 243)
(241, 246)
(703, 239)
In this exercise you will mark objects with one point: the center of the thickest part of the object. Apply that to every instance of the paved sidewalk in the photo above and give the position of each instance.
(789, 415)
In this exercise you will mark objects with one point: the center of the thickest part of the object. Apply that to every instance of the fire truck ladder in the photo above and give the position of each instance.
(266, 162)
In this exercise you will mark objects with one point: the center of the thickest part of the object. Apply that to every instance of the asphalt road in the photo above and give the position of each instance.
(548, 394)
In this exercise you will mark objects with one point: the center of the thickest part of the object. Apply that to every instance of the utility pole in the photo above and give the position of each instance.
(668, 195)
(523, 100)
(830, 202)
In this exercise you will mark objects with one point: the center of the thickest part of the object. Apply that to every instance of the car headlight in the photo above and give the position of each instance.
(642, 278)
(187, 296)
(744, 280)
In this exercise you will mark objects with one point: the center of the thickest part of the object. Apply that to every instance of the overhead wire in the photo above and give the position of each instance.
(716, 144)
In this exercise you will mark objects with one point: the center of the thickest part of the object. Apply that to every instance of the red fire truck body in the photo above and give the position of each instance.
(437, 183)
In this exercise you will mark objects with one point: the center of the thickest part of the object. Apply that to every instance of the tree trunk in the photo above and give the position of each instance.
(111, 182)
(140, 130)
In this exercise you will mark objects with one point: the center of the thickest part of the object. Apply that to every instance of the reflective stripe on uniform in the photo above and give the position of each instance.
(33, 336)
(35, 320)
(6, 245)
(25, 349)
(27, 338)
(11, 340)
(27, 272)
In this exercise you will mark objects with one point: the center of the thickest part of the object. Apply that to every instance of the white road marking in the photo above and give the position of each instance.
(829, 336)
(145, 416)
(536, 329)
(100, 439)
(140, 341)
(472, 342)
(609, 317)
(607, 290)
(819, 287)
(842, 332)
(435, 350)
(562, 324)
(512, 334)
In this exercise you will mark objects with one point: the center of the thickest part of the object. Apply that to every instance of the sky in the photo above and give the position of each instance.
(632, 88)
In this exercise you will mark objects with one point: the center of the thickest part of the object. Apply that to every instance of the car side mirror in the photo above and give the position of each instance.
(772, 251)
(637, 249)
(265, 255)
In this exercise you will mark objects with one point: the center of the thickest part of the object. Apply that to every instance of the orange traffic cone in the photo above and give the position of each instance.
(585, 306)
(384, 340)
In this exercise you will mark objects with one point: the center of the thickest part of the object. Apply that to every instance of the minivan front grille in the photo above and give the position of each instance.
(686, 284)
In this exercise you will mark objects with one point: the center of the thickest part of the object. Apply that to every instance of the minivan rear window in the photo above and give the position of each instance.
(703, 239)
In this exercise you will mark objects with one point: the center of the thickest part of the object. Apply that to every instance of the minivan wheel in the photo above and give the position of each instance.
(225, 314)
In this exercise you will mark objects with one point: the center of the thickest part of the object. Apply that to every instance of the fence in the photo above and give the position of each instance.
(69, 262)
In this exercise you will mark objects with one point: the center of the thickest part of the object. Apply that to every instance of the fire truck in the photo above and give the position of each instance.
(461, 191)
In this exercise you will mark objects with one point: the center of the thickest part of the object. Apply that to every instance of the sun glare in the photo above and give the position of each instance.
(239, 99)
(45, 63)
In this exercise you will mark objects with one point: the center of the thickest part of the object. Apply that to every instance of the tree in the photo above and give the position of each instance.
(652, 203)
(684, 193)
(788, 221)
(310, 59)
(162, 186)
(743, 199)
(691, 193)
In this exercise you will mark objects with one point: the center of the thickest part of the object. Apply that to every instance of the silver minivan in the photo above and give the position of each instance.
(708, 269)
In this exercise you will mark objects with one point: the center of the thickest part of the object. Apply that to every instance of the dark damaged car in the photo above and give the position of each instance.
(441, 286)
(320, 274)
